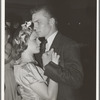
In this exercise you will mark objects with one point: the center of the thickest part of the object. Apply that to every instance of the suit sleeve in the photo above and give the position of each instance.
(70, 72)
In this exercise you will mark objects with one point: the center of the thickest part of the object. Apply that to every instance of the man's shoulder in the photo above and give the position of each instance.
(66, 40)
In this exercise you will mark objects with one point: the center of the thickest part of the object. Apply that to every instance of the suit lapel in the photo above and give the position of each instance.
(56, 41)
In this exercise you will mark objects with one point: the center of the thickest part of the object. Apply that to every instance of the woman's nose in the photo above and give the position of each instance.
(39, 42)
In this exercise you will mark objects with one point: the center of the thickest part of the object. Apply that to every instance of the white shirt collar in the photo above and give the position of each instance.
(50, 40)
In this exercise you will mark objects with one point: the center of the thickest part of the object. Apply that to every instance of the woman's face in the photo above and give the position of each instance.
(34, 43)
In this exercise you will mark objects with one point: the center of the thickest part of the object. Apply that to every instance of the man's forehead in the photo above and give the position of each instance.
(35, 17)
(39, 15)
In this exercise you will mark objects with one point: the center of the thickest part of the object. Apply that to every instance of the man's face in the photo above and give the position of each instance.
(41, 22)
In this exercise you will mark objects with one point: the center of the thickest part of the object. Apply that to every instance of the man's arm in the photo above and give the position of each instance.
(70, 72)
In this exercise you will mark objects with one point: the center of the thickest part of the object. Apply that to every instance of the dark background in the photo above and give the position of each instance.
(77, 20)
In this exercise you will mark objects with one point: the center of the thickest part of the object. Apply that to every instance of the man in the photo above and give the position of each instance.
(69, 73)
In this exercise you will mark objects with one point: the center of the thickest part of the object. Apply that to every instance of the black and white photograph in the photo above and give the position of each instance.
(49, 50)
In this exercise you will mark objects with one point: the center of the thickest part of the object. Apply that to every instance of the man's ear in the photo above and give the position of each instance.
(52, 21)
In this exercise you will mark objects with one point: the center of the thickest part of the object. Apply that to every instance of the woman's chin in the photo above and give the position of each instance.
(38, 51)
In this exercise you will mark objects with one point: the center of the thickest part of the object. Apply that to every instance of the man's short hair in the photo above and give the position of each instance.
(48, 8)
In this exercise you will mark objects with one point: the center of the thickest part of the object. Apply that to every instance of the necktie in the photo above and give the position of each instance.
(43, 46)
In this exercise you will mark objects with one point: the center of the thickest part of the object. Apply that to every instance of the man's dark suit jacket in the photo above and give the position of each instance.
(69, 73)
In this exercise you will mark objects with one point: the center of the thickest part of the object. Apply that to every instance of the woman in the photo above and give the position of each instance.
(28, 75)
(10, 83)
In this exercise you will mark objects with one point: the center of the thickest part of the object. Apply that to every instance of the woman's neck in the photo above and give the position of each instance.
(27, 57)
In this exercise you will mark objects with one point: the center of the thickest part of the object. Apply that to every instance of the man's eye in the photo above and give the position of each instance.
(39, 22)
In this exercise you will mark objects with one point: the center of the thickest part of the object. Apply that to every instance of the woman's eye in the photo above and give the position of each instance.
(35, 39)
(38, 22)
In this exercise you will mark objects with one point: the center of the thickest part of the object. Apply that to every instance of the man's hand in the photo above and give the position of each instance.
(55, 58)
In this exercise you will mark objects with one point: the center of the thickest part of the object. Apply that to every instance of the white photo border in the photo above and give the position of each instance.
(3, 48)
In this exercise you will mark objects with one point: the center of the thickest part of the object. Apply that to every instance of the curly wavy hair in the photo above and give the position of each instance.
(21, 38)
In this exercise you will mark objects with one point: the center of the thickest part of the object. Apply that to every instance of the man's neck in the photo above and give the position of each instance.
(51, 32)
(50, 39)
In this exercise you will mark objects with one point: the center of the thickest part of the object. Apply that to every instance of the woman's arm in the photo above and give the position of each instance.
(50, 92)
(46, 92)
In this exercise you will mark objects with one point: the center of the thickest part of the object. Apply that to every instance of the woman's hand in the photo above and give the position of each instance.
(47, 57)
(50, 56)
